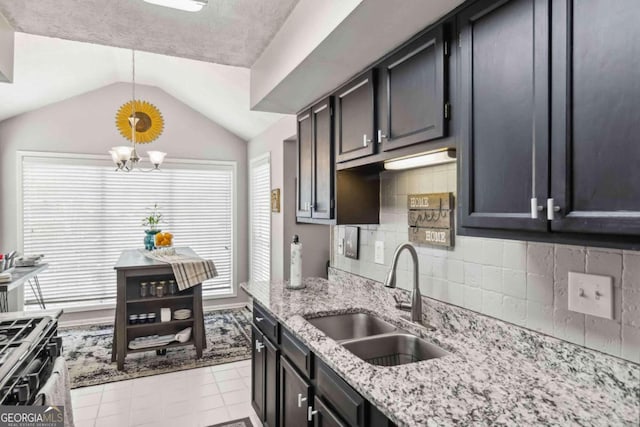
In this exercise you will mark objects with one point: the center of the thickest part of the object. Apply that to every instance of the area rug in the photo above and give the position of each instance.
(87, 350)
(244, 422)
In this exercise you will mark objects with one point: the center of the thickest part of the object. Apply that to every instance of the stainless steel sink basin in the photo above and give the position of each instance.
(348, 326)
(393, 349)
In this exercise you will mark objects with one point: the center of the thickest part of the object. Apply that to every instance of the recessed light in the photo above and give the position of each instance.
(186, 5)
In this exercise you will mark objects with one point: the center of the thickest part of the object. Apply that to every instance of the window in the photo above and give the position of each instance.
(81, 214)
(260, 211)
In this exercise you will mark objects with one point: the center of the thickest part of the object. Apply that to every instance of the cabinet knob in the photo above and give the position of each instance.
(310, 413)
(259, 346)
(300, 400)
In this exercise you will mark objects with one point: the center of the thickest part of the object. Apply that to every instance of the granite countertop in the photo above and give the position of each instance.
(496, 374)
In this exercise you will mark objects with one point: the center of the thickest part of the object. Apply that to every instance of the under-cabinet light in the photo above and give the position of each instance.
(424, 159)
(186, 5)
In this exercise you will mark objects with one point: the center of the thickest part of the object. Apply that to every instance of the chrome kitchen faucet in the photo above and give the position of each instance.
(390, 282)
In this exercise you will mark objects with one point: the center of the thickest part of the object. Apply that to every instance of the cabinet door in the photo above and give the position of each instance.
(412, 83)
(504, 85)
(305, 165)
(355, 119)
(325, 417)
(323, 161)
(257, 373)
(271, 383)
(596, 121)
(295, 396)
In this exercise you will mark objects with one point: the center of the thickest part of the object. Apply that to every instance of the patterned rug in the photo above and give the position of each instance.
(87, 350)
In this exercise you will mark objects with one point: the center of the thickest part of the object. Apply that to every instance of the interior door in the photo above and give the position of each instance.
(295, 396)
(323, 160)
(305, 165)
(504, 86)
(355, 118)
(413, 83)
(596, 127)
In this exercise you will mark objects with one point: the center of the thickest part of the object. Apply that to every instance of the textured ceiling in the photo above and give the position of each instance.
(49, 70)
(231, 32)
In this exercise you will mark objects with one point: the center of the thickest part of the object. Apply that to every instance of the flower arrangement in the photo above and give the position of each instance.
(153, 219)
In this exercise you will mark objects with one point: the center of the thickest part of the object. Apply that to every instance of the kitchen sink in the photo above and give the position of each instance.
(393, 349)
(349, 326)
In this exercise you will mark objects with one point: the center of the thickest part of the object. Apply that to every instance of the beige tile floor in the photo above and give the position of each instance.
(194, 398)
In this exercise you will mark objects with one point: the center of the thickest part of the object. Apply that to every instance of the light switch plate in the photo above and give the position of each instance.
(591, 294)
(379, 255)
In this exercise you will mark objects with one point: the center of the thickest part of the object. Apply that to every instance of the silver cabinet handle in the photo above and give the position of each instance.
(259, 319)
(300, 400)
(259, 346)
(535, 208)
(381, 136)
(365, 141)
(552, 209)
(310, 413)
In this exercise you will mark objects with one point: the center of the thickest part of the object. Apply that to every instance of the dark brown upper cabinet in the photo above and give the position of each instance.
(596, 122)
(355, 118)
(503, 61)
(411, 98)
(316, 167)
(323, 160)
(305, 165)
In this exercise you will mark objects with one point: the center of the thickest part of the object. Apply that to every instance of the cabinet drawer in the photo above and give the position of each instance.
(297, 353)
(265, 322)
(345, 400)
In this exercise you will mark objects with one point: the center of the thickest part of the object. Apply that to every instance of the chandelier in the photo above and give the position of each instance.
(126, 157)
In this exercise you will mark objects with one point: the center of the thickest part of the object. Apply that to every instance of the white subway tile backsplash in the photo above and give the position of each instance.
(514, 255)
(603, 334)
(569, 326)
(472, 274)
(540, 259)
(520, 282)
(514, 283)
(492, 278)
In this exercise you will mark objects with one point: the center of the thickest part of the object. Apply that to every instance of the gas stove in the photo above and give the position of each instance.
(28, 348)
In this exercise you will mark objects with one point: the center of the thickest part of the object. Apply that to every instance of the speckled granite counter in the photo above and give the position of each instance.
(497, 373)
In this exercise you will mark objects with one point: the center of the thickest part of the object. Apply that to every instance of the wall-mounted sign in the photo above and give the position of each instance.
(275, 200)
(431, 218)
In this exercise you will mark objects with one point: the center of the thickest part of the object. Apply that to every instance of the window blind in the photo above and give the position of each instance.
(81, 214)
(260, 214)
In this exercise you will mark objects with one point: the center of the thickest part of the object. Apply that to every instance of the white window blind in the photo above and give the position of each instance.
(260, 213)
(81, 214)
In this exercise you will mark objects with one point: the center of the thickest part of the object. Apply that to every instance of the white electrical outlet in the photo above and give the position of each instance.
(379, 255)
(591, 294)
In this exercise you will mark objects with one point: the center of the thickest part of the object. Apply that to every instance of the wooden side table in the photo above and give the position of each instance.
(132, 268)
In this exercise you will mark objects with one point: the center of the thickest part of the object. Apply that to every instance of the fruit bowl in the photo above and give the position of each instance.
(163, 240)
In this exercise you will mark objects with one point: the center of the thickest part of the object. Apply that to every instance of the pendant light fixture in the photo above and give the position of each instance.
(125, 157)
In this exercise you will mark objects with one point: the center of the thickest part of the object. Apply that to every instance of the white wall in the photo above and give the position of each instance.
(7, 38)
(524, 283)
(86, 124)
(283, 225)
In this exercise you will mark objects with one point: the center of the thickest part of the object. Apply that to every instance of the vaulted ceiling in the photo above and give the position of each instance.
(49, 70)
(230, 32)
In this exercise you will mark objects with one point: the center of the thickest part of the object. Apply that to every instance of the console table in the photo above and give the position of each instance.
(20, 276)
(134, 267)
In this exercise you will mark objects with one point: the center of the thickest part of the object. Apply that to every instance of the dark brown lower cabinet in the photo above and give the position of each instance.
(264, 378)
(296, 395)
(324, 416)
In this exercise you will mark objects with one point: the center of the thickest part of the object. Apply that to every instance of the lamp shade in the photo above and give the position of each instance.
(123, 152)
(114, 156)
(156, 157)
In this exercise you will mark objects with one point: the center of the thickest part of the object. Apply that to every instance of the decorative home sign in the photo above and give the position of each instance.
(275, 200)
(431, 218)
(351, 241)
